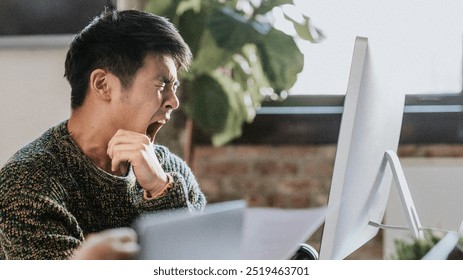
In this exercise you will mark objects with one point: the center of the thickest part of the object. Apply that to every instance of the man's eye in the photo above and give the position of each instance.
(161, 87)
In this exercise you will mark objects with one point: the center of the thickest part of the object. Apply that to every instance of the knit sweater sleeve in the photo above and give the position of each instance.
(35, 224)
(185, 191)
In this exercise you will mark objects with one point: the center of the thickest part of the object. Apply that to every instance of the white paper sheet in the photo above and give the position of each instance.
(228, 230)
(275, 234)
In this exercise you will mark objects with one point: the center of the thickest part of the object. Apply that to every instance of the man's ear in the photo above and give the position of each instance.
(99, 84)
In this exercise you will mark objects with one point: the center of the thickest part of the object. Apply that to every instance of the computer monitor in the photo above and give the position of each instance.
(368, 138)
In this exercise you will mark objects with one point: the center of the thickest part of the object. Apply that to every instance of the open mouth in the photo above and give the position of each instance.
(153, 129)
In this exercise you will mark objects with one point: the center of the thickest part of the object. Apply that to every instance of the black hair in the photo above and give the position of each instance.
(118, 41)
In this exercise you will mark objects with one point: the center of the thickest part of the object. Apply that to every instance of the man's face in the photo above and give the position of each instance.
(147, 103)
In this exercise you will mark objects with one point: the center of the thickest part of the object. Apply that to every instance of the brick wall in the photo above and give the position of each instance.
(286, 177)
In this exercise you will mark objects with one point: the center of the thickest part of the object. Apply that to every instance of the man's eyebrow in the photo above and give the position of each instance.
(165, 79)
(171, 81)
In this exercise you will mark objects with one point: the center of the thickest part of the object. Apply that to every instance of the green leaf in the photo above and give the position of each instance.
(232, 30)
(268, 5)
(207, 103)
(215, 104)
(192, 33)
(188, 5)
(235, 95)
(248, 72)
(236, 111)
(231, 131)
(281, 59)
(166, 8)
(306, 30)
(415, 249)
(209, 56)
(249, 97)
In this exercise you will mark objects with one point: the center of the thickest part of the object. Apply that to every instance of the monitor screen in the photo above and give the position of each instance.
(370, 126)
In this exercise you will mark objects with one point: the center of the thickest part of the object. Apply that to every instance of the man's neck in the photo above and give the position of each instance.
(92, 136)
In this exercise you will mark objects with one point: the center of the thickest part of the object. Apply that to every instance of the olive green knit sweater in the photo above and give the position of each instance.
(52, 196)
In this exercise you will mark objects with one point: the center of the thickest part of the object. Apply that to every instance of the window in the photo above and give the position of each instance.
(424, 36)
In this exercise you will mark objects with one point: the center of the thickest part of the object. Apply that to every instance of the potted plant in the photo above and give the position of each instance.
(240, 59)
(416, 249)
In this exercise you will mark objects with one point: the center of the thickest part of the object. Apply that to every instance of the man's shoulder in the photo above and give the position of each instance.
(34, 150)
(163, 152)
(32, 156)
(161, 149)
(167, 157)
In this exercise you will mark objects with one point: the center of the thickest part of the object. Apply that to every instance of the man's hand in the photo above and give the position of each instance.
(112, 244)
(135, 148)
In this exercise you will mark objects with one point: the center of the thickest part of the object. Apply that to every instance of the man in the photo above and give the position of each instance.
(76, 190)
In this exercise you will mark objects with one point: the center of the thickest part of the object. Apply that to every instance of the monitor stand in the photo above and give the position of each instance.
(444, 247)
(414, 224)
